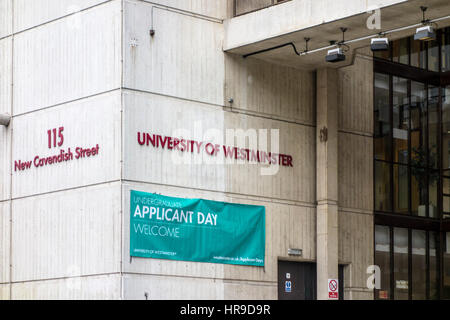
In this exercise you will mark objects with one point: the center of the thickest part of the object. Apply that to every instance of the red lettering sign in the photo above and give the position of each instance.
(186, 145)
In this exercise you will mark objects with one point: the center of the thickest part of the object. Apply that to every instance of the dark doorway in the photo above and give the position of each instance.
(298, 281)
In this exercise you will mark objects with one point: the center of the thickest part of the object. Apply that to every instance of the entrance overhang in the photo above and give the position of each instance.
(258, 32)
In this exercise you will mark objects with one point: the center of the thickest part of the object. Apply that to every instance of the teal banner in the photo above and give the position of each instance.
(196, 230)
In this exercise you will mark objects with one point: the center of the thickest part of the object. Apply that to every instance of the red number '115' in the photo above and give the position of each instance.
(52, 137)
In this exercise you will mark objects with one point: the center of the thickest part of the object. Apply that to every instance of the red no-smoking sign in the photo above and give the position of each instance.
(333, 289)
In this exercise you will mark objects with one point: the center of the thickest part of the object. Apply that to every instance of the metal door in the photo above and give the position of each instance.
(296, 280)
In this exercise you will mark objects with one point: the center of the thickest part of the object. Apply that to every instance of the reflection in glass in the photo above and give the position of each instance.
(401, 193)
(446, 195)
(418, 150)
(382, 126)
(433, 183)
(434, 266)
(384, 54)
(418, 54)
(445, 50)
(433, 56)
(400, 119)
(382, 186)
(382, 256)
(418, 191)
(445, 156)
(419, 265)
(418, 112)
(447, 266)
(446, 128)
(433, 126)
(401, 282)
(400, 52)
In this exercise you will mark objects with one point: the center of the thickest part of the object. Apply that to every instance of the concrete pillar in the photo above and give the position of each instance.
(327, 179)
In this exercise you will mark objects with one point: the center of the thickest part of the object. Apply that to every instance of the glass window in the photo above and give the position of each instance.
(412, 169)
(401, 279)
(433, 56)
(401, 194)
(419, 191)
(419, 265)
(382, 126)
(446, 196)
(446, 128)
(382, 259)
(418, 121)
(385, 54)
(445, 50)
(416, 258)
(400, 51)
(434, 265)
(418, 54)
(433, 183)
(447, 266)
(400, 120)
(382, 186)
(433, 126)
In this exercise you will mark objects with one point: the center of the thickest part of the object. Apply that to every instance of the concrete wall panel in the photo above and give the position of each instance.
(269, 89)
(5, 107)
(5, 75)
(246, 290)
(58, 62)
(4, 242)
(106, 287)
(86, 123)
(356, 95)
(214, 9)
(155, 114)
(5, 17)
(70, 233)
(171, 288)
(4, 291)
(296, 183)
(355, 169)
(183, 59)
(28, 14)
(5, 163)
(356, 247)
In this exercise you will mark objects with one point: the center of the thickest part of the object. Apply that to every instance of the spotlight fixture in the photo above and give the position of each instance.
(379, 44)
(337, 55)
(425, 33)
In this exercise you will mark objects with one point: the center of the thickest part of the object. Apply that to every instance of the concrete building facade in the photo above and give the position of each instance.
(80, 79)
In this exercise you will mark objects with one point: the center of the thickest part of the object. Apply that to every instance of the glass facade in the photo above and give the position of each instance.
(406, 138)
(432, 55)
(412, 168)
